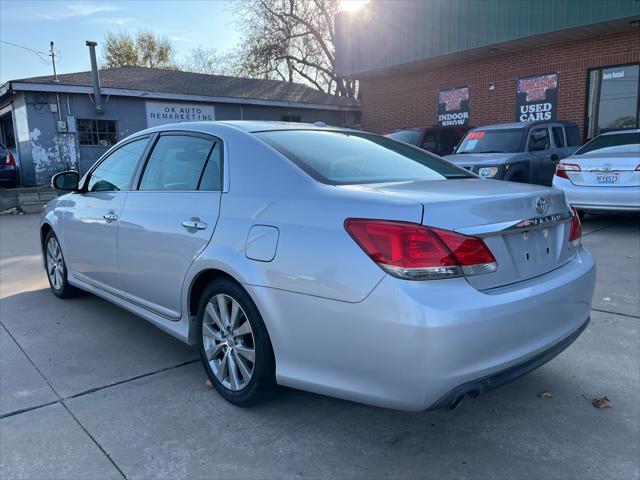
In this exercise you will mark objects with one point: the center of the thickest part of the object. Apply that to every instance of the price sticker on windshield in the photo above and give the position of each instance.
(475, 135)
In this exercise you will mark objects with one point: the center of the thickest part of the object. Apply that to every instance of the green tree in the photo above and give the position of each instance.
(144, 50)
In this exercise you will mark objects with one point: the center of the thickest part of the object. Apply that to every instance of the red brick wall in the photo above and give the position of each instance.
(398, 100)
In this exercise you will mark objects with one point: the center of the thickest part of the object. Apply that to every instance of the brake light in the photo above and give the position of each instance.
(10, 160)
(563, 168)
(411, 251)
(575, 233)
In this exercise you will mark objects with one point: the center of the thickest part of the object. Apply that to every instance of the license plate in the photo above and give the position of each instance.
(607, 178)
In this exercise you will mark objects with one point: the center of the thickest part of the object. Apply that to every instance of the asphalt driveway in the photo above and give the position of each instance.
(88, 390)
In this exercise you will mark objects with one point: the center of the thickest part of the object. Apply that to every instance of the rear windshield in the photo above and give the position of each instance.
(411, 137)
(347, 158)
(616, 143)
(492, 141)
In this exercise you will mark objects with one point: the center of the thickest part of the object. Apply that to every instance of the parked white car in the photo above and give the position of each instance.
(604, 174)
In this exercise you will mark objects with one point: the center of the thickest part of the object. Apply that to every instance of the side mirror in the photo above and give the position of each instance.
(67, 181)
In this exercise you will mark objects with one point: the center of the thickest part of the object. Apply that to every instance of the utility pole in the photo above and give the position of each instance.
(52, 54)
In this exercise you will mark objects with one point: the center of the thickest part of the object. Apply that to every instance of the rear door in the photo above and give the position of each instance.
(543, 155)
(169, 218)
(90, 221)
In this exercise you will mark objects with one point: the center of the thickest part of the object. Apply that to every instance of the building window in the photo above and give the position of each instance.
(97, 132)
(291, 118)
(613, 99)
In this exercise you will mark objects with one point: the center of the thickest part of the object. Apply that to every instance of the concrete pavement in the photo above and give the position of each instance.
(88, 390)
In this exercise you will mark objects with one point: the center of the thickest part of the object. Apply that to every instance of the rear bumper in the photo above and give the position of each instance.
(8, 175)
(625, 199)
(409, 345)
(482, 385)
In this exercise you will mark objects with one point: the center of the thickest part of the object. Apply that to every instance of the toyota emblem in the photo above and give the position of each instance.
(541, 205)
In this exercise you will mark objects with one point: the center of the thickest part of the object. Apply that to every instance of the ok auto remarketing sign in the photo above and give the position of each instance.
(160, 113)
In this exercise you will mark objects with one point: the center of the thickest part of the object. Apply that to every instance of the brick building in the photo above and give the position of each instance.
(408, 55)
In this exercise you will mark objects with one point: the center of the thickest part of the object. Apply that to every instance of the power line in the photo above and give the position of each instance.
(38, 53)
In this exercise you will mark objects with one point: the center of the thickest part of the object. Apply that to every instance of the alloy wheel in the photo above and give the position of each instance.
(55, 264)
(228, 342)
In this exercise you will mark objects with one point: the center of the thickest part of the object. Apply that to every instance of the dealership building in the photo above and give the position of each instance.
(52, 124)
(479, 62)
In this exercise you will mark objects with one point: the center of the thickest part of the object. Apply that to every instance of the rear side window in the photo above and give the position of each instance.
(411, 137)
(573, 136)
(347, 158)
(558, 137)
(116, 171)
(176, 163)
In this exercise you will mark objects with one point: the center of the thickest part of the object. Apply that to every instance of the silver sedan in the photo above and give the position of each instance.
(604, 174)
(330, 260)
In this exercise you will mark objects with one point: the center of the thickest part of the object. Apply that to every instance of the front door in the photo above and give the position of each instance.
(91, 220)
(169, 219)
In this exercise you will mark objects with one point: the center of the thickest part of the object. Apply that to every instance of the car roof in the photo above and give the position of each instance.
(622, 130)
(217, 127)
(523, 125)
(265, 126)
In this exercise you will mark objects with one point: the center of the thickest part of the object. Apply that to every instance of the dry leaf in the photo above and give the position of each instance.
(546, 394)
(209, 384)
(601, 402)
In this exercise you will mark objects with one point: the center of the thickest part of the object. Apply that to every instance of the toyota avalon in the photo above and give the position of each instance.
(329, 260)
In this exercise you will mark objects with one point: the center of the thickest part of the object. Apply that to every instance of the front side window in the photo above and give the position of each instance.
(177, 163)
(613, 99)
(539, 139)
(348, 158)
(116, 171)
(614, 143)
(96, 132)
(492, 141)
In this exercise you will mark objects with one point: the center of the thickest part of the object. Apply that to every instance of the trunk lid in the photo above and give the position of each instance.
(605, 169)
(525, 241)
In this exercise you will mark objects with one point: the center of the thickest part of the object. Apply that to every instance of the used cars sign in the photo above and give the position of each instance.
(536, 98)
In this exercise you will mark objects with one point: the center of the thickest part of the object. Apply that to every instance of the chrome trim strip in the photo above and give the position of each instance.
(523, 224)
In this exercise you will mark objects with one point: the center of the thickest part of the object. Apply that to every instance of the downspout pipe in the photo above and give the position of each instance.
(95, 78)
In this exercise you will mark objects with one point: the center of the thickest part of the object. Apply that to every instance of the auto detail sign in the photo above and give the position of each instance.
(160, 113)
(453, 106)
(536, 98)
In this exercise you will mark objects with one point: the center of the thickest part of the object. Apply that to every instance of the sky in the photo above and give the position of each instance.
(33, 24)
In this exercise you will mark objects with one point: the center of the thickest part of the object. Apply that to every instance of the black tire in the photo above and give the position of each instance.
(262, 381)
(64, 289)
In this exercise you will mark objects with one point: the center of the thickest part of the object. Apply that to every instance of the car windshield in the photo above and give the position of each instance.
(407, 136)
(615, 143)
(347, 158)
(492, 141)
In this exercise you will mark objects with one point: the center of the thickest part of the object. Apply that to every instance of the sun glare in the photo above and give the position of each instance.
(352, 5)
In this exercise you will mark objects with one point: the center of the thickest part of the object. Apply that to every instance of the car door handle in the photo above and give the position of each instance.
(196, 224)
(110, 217)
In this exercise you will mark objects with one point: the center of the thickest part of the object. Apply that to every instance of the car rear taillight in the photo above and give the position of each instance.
(10, 160)
(638, 168)
(575, 233)
(411, 251)
(563, 168)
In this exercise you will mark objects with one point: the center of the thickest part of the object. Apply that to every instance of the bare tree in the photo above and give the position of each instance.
(292, 40)
(211, 61)
(145, 50)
